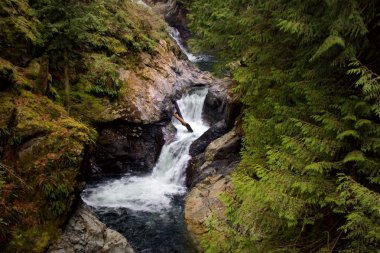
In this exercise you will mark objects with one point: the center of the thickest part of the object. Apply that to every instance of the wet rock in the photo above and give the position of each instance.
(221, 157)
(85, 233)
(169, 131)
(221, 103)
(214, 132)
(215, 103)
(204, 201)
(124, 147)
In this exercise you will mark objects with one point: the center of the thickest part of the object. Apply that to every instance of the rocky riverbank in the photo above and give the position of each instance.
(85, 233)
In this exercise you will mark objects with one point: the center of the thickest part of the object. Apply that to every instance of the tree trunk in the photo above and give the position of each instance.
(43, 76)
(66, 80)
(183, 122)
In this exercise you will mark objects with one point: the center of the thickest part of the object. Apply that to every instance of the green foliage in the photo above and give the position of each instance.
(18, 25)
(308, 74)
(103, 75)
(68, 34)
(36, 236)
(72, 49)
(363, 217)
(56, 192)
(37, 191)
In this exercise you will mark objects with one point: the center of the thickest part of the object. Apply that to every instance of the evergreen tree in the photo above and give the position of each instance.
(308, 75)
(19, 28)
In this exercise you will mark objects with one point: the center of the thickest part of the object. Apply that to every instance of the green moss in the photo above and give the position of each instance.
(32, 71)
(35, 239)
(12, 78)
(6, 109)
(87, 108)
(43, 166)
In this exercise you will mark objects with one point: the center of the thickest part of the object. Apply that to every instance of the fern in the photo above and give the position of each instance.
(328, 43)
(308, 75)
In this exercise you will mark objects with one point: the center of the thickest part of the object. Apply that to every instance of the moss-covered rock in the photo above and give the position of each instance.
(42, 151)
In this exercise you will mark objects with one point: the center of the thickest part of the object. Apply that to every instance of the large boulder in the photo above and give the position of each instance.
(222, 103)
(84, 233)
(216, 102)
(220, 157)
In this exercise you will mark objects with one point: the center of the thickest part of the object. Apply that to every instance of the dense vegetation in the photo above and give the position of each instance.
(309, 76)
(59, 68)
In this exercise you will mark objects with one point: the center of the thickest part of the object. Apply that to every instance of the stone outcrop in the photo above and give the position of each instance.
(220, 157)
(84, 233)
(214, 132)
(203, 201)
(134, 134)
(221, 103)
(208, 173)
(135, 128)
(125, 147)
(148, 91)
(216, 102)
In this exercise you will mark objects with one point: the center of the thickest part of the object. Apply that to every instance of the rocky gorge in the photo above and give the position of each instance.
(127, 146)
(97, 137)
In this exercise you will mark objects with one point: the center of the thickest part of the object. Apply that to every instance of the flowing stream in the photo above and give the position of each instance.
(174, 33)
(203, 61)
(148, 209)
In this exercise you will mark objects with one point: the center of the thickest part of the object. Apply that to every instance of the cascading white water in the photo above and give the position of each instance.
(141, 2)
(174, 33)
(153, 193)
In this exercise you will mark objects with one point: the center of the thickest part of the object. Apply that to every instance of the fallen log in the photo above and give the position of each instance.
(183, 122)
(177, 109)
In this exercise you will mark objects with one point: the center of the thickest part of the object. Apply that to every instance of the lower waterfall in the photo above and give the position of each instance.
(150, 207)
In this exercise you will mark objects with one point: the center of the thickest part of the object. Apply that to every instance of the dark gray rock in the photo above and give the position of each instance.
(221, 157)
(123, 147)
(221, 103)
(214, 132)
(84, 233)
(169, 131)
(216, 102)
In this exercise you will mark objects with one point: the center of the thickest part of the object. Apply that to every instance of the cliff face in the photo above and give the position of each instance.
(45, 148)
(133, 129)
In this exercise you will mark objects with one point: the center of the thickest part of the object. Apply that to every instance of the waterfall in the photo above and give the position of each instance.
(174, 33)
(154, 192)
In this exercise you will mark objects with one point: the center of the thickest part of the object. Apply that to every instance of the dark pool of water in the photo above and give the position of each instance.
(207, 65)
(149, 232)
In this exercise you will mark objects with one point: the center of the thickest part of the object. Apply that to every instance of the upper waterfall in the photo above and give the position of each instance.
(174, 33)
